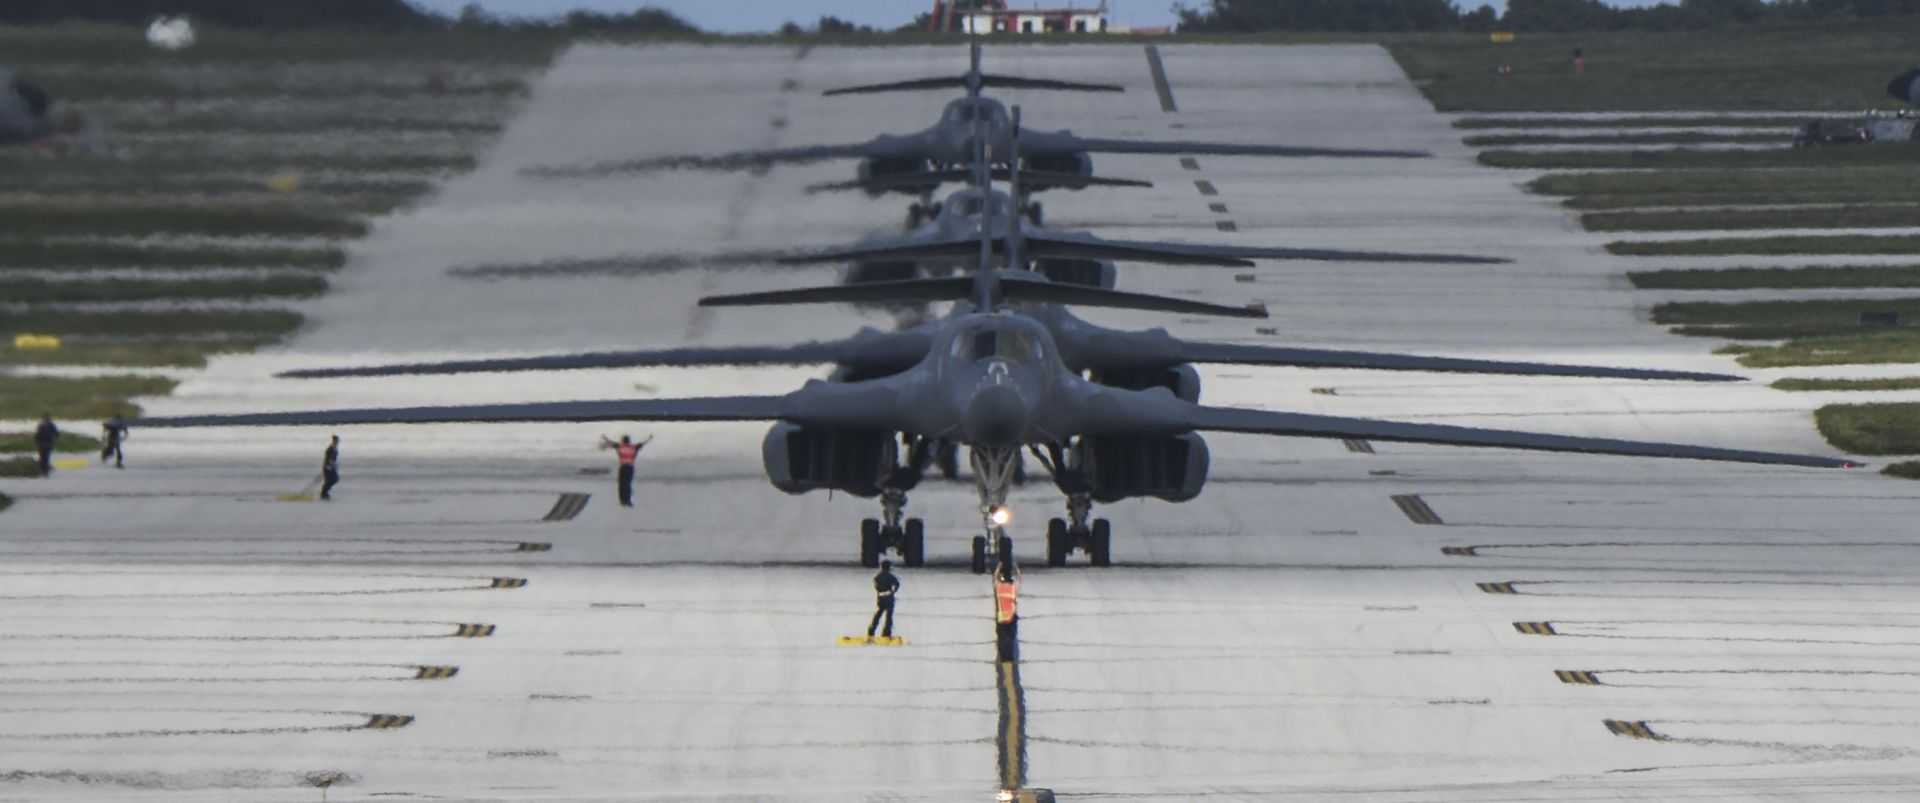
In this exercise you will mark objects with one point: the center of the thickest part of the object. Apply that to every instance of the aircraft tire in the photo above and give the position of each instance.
(870, 542)
(913, 544)
(1100, 543)
(1058, 542)
(979, 554)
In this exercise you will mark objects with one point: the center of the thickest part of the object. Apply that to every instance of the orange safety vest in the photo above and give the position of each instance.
(1005, 596)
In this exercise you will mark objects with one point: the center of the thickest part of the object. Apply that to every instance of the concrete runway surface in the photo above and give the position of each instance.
(1329, 621)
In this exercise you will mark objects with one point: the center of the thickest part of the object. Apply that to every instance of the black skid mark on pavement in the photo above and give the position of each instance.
(637, 265)
(172, 781)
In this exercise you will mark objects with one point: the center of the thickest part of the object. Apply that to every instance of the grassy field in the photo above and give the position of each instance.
(265, 141)
(118, 218)
(1818, 245)
(1839, 217)
(253, 323)
(1905, 469)
(91, 398)
(1836, 66)
(1699, 121)
(42, 291)
(1666, 138)
(1755, 183)
(1900, 154)
(1885, 346)
(1772, 320)
(129, 353)
(1891, 428)
(22, 443)
(5, 500)
(1813, 276)
(1857, 197)
(16, 468)
(1809, 385)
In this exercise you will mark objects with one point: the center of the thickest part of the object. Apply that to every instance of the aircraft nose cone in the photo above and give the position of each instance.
(995, 417)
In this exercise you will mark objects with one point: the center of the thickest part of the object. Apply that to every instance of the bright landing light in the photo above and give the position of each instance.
(1000, 516)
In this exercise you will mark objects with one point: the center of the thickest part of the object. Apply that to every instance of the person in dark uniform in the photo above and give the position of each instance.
(116, 433)
(885, 585)
(44, 437)
(628, 452)
(330, 469)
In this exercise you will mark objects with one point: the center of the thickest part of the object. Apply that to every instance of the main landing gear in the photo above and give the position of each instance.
(1074, 532)
(892, 531)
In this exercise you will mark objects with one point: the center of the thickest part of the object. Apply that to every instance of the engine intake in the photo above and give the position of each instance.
(871, 169)
(1085, 272)
(799, 459)
(1078, 164)
(1182, 379)
(1173, 468)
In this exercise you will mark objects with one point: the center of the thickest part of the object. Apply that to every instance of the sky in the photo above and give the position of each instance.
(767, 15)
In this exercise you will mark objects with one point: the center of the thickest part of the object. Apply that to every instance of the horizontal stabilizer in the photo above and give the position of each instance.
(963, 82)
(1013, 288)
(1037, 247)
(1039, 177)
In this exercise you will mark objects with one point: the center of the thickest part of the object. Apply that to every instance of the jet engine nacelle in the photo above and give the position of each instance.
(1087, 272)
(1079, 164)
(1119, 467)
(1906, 86)
(1182, 379)
(799, 459)
(871, 169)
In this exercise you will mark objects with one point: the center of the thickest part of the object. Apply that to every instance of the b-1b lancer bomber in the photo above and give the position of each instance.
(950, 143)
(997, 380)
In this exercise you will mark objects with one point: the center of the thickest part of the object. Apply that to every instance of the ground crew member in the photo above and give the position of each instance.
(628, 451)
(885, 585)
(116, 431)
(330, 469)
(44, 437)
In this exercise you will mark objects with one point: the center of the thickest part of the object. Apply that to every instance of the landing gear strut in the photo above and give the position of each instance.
(993, 475)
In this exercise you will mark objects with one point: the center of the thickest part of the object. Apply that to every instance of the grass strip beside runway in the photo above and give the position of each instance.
(43, 291)
(1905, 469)
(1637, 138)
(1887, 154)
(22, 443)
(1887, 346)
(128, 353)
(37, 255)
(1843, 217)
(1863, 196)
(147, 219)
(1760, 183)
(1781, 319)
(1697, 121)
(1816, 244)
(253, 323)
(1891, 428)
(5, 502)
(1812, 276)
(87, 398)
(1890, 383)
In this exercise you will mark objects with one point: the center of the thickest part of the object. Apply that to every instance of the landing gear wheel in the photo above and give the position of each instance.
(1100, 543)
(870, 542)
(913, 545)
(1058, 542)
(979, 554)
(1035, 214)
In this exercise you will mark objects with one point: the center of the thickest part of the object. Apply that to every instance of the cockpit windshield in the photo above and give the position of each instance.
(1012, 345)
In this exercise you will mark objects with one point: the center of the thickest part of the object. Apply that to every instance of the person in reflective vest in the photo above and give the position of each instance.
(628, 451)
(885, 585)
